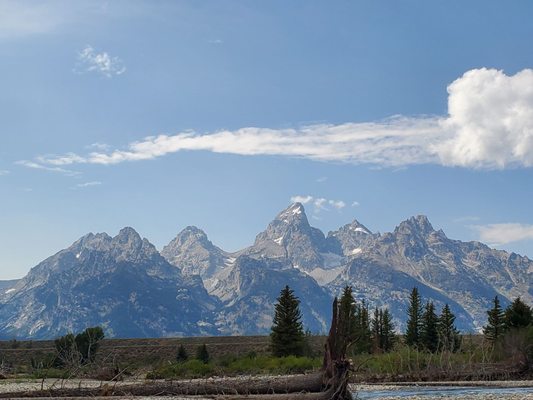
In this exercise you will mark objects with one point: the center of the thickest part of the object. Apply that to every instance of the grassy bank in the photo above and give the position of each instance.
(229, 366)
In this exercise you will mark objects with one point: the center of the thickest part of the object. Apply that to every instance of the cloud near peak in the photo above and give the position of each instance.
(319, 203)
(489, 126)
(501, 234)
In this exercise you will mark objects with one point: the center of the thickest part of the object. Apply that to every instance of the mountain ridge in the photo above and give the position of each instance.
(103, 279)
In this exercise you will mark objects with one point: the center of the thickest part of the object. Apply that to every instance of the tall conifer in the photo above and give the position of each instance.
(429, 337)
(287, 336)
(449, 339)
(496, 322)
(414, 319)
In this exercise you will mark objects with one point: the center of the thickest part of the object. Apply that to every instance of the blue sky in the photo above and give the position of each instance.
(159, 115)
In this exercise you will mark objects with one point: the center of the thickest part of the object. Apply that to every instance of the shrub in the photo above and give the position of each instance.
(202, 354)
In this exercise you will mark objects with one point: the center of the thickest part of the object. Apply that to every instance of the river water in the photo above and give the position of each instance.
(436, 391)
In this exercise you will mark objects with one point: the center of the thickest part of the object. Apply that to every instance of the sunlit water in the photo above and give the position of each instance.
(435, 391)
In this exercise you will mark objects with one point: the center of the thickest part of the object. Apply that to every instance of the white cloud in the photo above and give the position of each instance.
(35, 165)
(99, 146)
(355, 204)
(490, 126)
(319, 203)
(4, 172)
(500, 234)
(301, 199)
(88, 184)
(491, 115)
(322, 179)
(89, 60)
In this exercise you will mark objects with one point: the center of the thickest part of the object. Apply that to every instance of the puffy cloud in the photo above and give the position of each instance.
(500, 234)
(89, 60)
(491, 116)
(319, 203)
(301, 199)
(490, 125)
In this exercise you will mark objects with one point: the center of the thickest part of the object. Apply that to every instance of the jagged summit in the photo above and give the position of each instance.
(295, 213)
(417, 224)
(349, 239)
(291, 237)
(194, 254)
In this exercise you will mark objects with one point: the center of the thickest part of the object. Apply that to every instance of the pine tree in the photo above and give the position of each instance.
(377, 330)
(388, 338)
(363, 331)
(518, 315)
(348, 309)
(449, 339)
(414, 321)
(181, 355)
(429, 336)
(287, 336)
(202, 354)
(496, 322)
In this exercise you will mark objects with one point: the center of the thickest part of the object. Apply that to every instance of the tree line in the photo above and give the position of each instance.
(373, 331)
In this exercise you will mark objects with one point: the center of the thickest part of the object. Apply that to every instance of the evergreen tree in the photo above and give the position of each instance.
(518, 315)
(363, 331)
(377, 330)
(181, 355)
(414, 319)
(429, 336)
(287, 336)
(449, 339)
(348, 310)
(202, 354)
(383, 336)
(496, 322)
(388, 337)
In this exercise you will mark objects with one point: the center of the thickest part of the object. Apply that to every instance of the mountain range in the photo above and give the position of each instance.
(193, 288)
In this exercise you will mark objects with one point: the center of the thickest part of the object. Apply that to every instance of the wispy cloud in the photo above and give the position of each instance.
(99, 146)
(215, 41)
(89, 60)
(21, 18)
(500, 234)
(489, 125)
(322, 179)
(355, 204)
(4, 172)
(35, 165)
(88, 184)
(319, 203)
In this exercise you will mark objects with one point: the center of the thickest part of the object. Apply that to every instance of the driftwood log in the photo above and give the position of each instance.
(330, 383)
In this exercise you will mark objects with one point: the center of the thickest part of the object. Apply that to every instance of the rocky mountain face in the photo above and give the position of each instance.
(121, 283)
(248, 290)
(194, 253)
(195, 288)
(289, 236)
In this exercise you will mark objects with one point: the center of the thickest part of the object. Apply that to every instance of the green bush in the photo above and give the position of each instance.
(188, 369)
(231, 365)
(278, 365)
